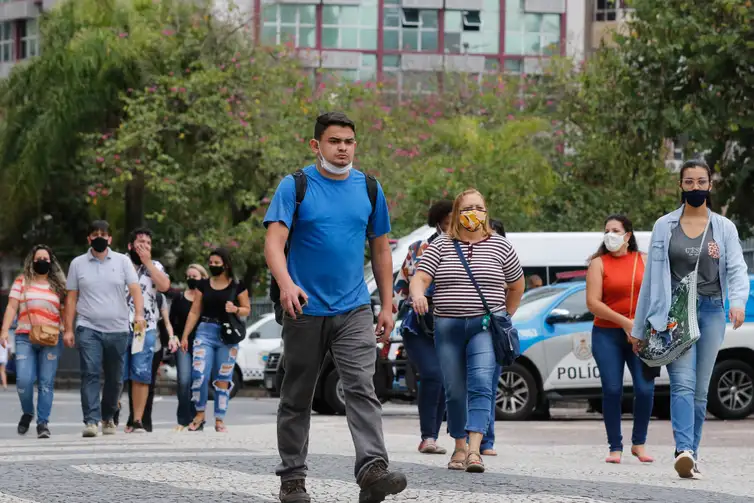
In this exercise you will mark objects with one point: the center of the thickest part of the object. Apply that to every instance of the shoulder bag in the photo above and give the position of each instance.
(682, 332)
(43, 335)
(233, 328)
(504, 335)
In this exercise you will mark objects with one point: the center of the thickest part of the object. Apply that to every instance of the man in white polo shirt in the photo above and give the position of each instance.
(96, 301)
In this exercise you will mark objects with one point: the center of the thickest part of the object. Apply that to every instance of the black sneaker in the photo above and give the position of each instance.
(23, 424)
(294, 491)
(138, 427)
(43, 431)
(377, 483)
(116, 416)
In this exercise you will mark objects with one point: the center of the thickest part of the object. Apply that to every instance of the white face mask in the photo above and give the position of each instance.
(614, 241)
(331, 168)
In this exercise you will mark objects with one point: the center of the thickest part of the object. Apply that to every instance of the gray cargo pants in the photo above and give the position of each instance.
(306, 340)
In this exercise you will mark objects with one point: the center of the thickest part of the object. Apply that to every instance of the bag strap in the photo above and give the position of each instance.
(633, 284)
(371, 182)
(26, 301)
(701, 245)
(471, 276)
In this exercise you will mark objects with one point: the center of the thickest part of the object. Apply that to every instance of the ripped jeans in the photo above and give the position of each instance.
(36, 363)
(212, 358)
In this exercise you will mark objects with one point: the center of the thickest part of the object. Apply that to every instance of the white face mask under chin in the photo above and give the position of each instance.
(614, 241)
(333, 169)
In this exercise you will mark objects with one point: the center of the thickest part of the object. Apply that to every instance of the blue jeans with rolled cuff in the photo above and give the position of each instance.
(40, 364)
(612, 353)
(690, 376)
(468, 364)
(211, 353)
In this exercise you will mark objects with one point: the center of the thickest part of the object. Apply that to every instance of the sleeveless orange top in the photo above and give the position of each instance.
(616, 285)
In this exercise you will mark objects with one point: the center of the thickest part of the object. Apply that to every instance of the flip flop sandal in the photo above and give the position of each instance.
(457, 464)
(194, 426)
(474, 465)
(220, 428)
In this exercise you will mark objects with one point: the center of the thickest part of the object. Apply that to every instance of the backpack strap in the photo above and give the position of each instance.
(300, 181)
(372, 191)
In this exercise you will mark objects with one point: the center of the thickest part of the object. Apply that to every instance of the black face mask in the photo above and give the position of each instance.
(134, 257)
(192, 283)
(99, 244)
(41, 266)
(216, 270)
(695, 198)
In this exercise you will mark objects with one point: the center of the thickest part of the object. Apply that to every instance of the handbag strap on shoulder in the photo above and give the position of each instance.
(465, 263)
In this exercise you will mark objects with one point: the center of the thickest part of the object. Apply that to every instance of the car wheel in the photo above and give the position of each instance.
(517, 394)
(334, 395)
(731, 393)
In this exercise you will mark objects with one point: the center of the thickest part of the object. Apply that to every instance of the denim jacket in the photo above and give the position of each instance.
(655, 294)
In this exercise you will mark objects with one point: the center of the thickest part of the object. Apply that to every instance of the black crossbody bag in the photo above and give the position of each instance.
(504, 335)
(233, 328)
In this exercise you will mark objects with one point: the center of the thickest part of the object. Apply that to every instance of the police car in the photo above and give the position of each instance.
(556, 362)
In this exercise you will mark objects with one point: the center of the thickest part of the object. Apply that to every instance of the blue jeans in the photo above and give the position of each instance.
(690, 376)
(468, 365)
(98, 351)
(613, 353)
(186, 410)
(36, 363)
(488, 441)
(138, 367)
(211, 353)
(430, 399)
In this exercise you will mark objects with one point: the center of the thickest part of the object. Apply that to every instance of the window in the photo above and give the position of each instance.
(407, 82)
(349, 27)
(410, 29)
(29, 39)
(528, 34)
(609, 10)
(473, 32)
(367, 70)
(7, 49)
(575, 304)
(286, 24)
(269, 330)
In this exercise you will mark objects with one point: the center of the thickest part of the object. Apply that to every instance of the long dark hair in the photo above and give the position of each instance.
(55, 277)
(696, 163)
(628, 226)
(227, 262)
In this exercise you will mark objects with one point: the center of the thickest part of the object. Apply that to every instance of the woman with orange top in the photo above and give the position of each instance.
(612, 289)
(36, 298)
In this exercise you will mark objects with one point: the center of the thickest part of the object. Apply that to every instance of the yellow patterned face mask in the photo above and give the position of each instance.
(470, 220)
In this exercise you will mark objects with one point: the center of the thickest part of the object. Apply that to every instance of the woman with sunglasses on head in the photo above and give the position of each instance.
(215, 300)
(462, 337)
(179, 311)
(37, 298)
(612, 288)
(692, 238)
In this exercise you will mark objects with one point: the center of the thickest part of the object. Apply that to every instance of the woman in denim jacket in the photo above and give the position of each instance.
(722, 271)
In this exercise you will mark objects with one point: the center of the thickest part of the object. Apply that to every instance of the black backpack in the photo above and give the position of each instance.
(299, 178)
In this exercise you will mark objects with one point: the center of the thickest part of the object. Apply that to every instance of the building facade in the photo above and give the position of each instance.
(19, 31)
(413, 42)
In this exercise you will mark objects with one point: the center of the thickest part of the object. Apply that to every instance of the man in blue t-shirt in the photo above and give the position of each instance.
(327, 306)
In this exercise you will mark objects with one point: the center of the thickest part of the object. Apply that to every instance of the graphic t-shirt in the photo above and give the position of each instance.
(326, 257)
(150, 294)
(37, 301)
(684, 252)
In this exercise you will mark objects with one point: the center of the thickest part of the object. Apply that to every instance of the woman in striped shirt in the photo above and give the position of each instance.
(464, 345)
(37, 297)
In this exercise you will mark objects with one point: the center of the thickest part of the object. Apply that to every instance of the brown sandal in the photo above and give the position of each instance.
(474, 465)
(457, 464)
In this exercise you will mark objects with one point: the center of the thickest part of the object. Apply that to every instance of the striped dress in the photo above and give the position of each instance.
(37, 302)
(493, 262)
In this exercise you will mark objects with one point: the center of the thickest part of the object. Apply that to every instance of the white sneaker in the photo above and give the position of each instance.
(90, 430)
(108, 427)
(684, 465)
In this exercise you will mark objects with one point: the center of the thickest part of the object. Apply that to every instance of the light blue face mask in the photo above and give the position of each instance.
(331, 168)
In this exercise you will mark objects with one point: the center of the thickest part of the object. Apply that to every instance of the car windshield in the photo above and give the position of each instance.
(534, 301)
